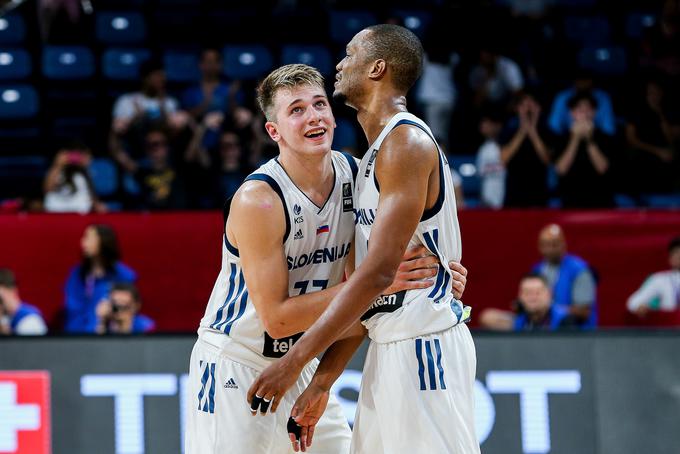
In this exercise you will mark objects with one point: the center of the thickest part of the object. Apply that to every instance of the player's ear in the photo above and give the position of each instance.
(273, 130)
(377, 69)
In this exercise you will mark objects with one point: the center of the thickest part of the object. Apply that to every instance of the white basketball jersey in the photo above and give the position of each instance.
(419, 312)
(317, 243)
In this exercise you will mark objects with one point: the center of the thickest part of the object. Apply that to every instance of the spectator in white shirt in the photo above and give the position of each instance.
(661, 290)
(495, 78)
(489, 163)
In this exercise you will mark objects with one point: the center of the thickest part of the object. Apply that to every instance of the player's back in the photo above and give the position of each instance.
(317, 243)
(411, 313)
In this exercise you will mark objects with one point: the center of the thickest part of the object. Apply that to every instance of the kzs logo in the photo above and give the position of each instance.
(26, 397)
(296, 211)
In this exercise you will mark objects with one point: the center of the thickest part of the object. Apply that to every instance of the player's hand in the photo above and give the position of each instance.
(271, 385)
(459, 274)
(306, 413)
(415, 271)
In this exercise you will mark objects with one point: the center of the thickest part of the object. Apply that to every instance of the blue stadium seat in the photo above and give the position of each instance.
(587, 30)
(14, 64)
(68, 62)
(416, 21)
(609, 61)
(662, 200)
(181, 66)
(120, 27)
(246, 62)
(624, 201)
(346, 24)
(317, 56)
(345, 135)
(18, 102)
(12, 29)
(466, 167)
(123, 64)
(638, 22)
(104, 176)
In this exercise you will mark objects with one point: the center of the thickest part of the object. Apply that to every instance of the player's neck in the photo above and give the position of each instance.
(377, 111)
(313, 175)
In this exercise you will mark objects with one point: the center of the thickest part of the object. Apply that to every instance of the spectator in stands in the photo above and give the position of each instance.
(661, 290)
(458, 189)
(570, 280)
(160, 183)
(534, 309)
(437, 93)
(495, 78)
(119, 313)
(135, 113)
(560, 120)
(68, 185)
(583, 158)
(660, 48)
(489, 164)
(211, 94)
(570, 277)
(653, 134)
(90, 281)
(17, 317)
(525, 156)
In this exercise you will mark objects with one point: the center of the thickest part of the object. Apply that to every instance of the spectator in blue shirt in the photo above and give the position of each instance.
(536, 311)
(17, 317)
(560, 119)
(90, 281)
(119, 314)
(210, 94)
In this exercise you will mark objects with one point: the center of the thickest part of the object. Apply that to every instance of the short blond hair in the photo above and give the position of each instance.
(286, 77)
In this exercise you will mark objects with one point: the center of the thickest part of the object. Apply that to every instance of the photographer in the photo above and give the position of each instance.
(17, 317)
(68, 186)
(119, 314)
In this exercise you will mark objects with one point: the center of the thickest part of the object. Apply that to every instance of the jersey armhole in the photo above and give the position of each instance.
(431, 212)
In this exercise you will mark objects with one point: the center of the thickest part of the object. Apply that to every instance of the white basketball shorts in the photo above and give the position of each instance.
(417, 396)
(219, 418)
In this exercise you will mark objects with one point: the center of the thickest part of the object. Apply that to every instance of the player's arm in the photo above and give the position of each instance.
(407, 160)
(256, 226)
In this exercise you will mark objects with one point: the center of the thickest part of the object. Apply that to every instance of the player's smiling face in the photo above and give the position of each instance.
(304, 120)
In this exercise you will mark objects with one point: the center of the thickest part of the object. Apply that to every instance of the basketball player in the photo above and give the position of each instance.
(289, 231)
(417, 387)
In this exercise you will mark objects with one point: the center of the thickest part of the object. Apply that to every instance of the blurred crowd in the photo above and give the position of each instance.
(508, 83)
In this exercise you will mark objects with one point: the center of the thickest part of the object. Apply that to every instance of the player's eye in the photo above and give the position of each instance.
(321, 104)
(296, 110)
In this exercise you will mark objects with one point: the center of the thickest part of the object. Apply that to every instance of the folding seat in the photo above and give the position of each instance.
(317, 56)
(14, 64)
(12, 29)
(181, 66)
(608, 61)
(345, 24)
(120, 27)
(245, 62)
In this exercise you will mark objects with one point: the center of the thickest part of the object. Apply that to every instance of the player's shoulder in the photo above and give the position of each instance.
(255, 195)
(408, 141)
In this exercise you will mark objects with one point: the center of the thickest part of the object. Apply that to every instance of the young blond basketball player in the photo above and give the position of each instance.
(417, 387)
(288, 235)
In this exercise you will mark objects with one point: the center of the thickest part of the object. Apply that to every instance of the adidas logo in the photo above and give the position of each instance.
(298, 235)
(231, 384)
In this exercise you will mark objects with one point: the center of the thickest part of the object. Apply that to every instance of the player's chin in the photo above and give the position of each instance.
(338, 95)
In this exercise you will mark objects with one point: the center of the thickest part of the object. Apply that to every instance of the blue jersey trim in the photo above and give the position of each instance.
(421, 365)
(427, 214)
(275, 186)
(352, 164)
(230, 247)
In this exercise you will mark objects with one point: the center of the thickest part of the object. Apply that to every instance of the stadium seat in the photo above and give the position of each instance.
(181, 66)
(123, 64)
(416, 21)
(345, 135)
(22, 176)
(68, 62)
(609, 61)
(317, 56)
(246, 62)
(661, 200)
(346, 24)
(587, 30)
(12, 29)
(637, 23)
(120, 27)
(14, 64)
(466, 167)
(104, 176)
(18, 102)
(624, 201)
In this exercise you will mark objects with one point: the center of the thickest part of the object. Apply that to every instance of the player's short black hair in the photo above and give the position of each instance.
(582, 96)
(127, 287)
(674, 244)
(7, 278)
(400, 48)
